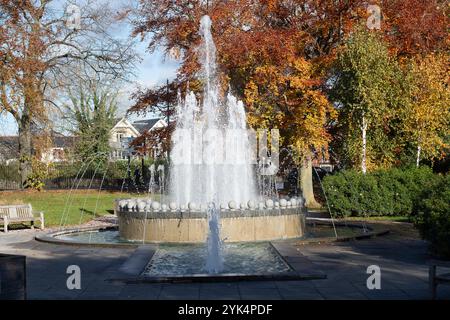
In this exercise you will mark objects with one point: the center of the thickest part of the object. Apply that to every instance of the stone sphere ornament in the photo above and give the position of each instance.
(123, 204)
(251, 204)
(269, 203)
(261, 206)
(182, 208)
(232, 205)
(293, 202)
(141, 206)
(173, 206)
(243, 206)
(164, 207)
(283, 203)
(288, 203)
(131, 205)
(156, 206)
(277, 204)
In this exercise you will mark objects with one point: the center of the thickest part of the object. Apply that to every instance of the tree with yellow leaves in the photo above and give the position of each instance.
(427, 120)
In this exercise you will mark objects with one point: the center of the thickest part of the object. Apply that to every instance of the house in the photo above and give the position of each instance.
(121, 135)
(124, 132)
(9, 149)
(59, 149)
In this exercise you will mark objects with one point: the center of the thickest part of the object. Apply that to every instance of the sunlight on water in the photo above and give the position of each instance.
(242, 258)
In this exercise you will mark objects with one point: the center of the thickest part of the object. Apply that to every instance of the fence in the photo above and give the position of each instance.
(118, 175)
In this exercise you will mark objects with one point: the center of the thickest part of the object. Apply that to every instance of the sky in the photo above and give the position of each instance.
(153, 70)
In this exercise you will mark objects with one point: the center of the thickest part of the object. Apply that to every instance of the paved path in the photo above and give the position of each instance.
(404, 273)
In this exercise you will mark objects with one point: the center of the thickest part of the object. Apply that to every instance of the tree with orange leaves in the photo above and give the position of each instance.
(416, 26)
(271, 52)
(46, 46)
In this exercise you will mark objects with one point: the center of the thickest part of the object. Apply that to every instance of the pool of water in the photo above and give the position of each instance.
(95, 236)
(313, 231)
(238, 259)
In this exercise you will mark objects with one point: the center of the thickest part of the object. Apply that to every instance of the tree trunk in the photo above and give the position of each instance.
(419, 149)
(25, 146)
(306, 184)
(364, 146)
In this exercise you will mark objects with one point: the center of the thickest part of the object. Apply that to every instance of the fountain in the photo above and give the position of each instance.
(212, 185)
(214, 225)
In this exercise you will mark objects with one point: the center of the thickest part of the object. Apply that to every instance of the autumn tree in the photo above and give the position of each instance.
(427, 120)
(288, 97)
(367, 92)
(416, 27)
(272, 53)
(46, 45)
(160, 101)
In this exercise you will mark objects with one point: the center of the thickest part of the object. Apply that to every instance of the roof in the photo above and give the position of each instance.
(144, 125)
(60, 141)
(9, 145)
(124, 122)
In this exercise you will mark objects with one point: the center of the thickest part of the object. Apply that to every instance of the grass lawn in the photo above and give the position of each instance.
(77, 207)
(382, 218)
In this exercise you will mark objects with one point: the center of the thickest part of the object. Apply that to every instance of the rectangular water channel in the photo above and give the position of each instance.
(242, 262)
(238, 259)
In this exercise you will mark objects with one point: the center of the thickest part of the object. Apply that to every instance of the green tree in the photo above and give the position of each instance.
(92, 110)
(367, 91)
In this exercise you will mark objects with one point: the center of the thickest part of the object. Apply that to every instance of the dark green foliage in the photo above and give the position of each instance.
(432, 217)
(379, 193)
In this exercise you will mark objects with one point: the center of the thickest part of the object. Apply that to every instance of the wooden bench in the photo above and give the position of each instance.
(435, 278)
(20, 213)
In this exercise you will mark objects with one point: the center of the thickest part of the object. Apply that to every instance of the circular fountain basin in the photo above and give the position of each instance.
(192, 226)
(317, 231)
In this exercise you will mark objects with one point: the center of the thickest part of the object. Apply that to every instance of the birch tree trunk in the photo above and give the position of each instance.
(364, 145)
(419, 149)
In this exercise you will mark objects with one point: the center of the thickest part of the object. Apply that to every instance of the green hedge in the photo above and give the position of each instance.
(379, 193)
(432, 217)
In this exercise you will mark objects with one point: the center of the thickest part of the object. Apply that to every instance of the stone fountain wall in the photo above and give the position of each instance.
(183, 225)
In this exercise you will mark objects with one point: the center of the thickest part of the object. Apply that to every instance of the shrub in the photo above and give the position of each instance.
(382, 192)
(10, 171)
(40, 172)
(432, 217)
(416, 180)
